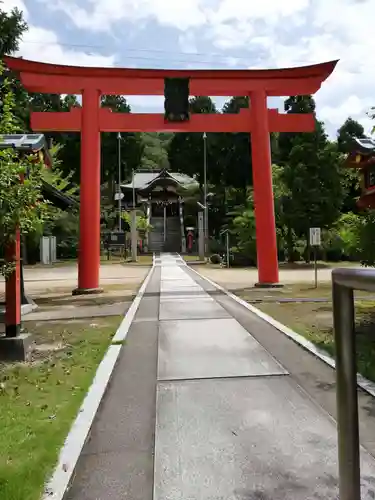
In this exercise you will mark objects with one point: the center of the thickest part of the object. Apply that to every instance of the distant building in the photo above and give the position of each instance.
(362, 157)
(160, 194)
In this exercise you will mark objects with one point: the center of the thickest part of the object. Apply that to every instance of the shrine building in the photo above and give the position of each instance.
(362, 157)
(160, 195)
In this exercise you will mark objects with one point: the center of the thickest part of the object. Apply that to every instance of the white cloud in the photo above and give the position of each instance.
(338, 114)
(102, 14)
(8, 5)
(147, 104)
(232, 62)
(272, 32)
(40, 44)
(187, 42)
(342, 30)
(268, 10)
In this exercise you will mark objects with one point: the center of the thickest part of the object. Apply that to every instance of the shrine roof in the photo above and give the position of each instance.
(365, 145)
(362, 154)
(144, 180)
(33, 143)
(24, 142)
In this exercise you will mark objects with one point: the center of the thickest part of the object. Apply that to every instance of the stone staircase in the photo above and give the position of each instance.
(172, 241)
(156, 235)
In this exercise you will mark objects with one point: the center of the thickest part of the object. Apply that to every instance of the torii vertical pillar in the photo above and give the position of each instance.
(89, 222)
(13, 290)
(268, 270)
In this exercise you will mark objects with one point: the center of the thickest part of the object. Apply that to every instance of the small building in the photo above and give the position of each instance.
(160, 195)
(362, 157)
(36, 144)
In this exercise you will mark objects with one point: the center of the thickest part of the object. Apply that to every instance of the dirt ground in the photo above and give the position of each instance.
(238, 279)
(60, 304)
(51, 289)
(48, 279)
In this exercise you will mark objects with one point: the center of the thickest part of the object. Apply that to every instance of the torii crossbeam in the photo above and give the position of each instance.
(91, 119)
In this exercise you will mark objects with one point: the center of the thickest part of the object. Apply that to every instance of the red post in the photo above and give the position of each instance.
(13, 291)
(268, 272)
(89, 242)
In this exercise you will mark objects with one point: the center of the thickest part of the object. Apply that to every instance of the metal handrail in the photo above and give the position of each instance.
(344, 281)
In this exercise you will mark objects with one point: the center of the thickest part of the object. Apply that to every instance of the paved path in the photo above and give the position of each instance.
(208, 402)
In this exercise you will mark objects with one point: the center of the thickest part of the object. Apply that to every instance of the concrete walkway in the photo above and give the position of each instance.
(208, 402)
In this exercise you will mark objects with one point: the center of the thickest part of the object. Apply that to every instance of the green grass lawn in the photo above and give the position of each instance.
(314, 321)
(40, 399)
(294, 290)
(320, 264)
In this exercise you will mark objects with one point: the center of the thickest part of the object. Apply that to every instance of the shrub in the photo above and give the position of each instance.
(239, 259)
(215, 259)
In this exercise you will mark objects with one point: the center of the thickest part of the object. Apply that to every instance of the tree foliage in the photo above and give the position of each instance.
(22, 207)
(186, 150)
(243, 230)
(12, 27)
(311, 175)
(155, 150)
(142, 222)
(347, 132)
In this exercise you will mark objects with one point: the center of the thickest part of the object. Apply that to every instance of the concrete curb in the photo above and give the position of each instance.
(362, 382)
(58, 485)
(123, 329)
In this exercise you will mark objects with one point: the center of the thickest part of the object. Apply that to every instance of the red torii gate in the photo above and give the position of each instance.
(92, 119)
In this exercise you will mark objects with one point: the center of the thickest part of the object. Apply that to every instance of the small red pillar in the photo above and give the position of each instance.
(89, 240)
(268, 271)
(13, 290)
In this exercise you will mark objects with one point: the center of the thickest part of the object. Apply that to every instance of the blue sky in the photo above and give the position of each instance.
(214, 34)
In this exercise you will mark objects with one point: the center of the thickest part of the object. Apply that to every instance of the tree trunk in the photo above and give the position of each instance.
(308, 248)
(290, 246)
(24, 249)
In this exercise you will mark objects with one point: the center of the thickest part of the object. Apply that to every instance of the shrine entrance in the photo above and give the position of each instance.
(91, 119)
(171, 209)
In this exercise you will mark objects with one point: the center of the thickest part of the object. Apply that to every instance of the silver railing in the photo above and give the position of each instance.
(344, 281)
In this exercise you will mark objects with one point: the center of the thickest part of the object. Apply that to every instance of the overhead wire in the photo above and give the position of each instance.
(156, 51)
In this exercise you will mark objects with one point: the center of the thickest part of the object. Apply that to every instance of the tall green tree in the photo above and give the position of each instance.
(22, 206)
(131, 145)
(234, 152)
(186, 150)
(346, 133)
(292, 105)
(69, 155)
(311, 174)
(313, 178)
(155, 152)
(235, 104)
(12, 27)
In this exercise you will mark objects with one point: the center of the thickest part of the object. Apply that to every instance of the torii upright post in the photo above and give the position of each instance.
(89, 220)
(91, 119)
(268, 267)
